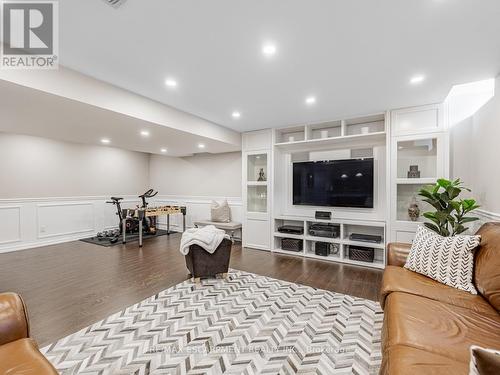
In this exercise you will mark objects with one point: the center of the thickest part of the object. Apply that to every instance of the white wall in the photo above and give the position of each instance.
(207, 175)
(475, 154)
(194, 181)
(33, 167)
(53, 191)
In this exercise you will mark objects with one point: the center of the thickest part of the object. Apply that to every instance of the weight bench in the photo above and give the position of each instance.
(230, 227)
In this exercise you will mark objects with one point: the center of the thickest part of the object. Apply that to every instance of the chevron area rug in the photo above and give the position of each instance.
(245, 324)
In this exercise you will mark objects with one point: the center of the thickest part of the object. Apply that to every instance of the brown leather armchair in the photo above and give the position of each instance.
(19, 354)
(428, 326)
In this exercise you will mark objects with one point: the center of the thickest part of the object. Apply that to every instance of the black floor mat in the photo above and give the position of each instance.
(129, 238)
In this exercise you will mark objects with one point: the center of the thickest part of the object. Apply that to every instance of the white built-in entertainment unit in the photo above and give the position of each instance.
(395, 140)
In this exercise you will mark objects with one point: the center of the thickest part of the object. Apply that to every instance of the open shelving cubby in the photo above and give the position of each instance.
(364, 125)
(291, 135)
(339, 245)
(362, 130)
(331, 129)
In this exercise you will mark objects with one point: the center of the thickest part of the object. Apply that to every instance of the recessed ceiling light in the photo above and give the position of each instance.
(310, 100)
(163, 150)
(269, 49)
(201, 145)
(145, 133)
(105, 141)
(236, 114)
(171, 82)
(415, 80)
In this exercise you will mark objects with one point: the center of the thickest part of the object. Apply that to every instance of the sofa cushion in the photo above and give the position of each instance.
(398, 279)
(220, 212)
(484, 361)
(437, 327)
(22, 357)
(487, 264)
(400, 359)
(449, 260)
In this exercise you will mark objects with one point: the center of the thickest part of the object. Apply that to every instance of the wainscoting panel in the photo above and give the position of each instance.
(10, 228)
(34, 222)
(64, 219)
(484, 217)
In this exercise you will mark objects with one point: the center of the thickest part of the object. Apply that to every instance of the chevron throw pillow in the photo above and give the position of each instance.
(449, 260)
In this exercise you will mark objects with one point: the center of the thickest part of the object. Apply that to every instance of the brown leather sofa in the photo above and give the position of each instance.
(19, 354)
(429, 327)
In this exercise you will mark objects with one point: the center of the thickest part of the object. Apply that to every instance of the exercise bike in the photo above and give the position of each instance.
(149, 223)
(131, 222)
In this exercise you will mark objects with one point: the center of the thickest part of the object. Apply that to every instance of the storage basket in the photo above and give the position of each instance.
(363, 254)
(291, 244)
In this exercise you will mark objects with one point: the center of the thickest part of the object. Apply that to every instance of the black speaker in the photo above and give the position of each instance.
(291, 244)
(324, 215)
(324, 248)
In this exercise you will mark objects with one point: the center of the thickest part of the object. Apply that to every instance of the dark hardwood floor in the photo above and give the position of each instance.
(72, 285)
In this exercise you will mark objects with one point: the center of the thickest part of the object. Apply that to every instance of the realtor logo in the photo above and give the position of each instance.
(29, 34)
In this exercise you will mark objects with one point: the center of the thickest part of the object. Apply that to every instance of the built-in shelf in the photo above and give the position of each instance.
(288, 252)
(419, 181)
(335, 258)
(289, 235)
(346, 228)
(365, 130)
(374, 245)
(354, 140)
(323, 239)
(374, 264)
(257, 183)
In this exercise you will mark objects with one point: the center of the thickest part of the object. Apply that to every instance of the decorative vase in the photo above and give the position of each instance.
(413, 172)
(262, 175)
(324, 134)
(413, 210)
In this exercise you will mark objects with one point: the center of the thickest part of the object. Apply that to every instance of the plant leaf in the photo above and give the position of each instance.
(433, 227)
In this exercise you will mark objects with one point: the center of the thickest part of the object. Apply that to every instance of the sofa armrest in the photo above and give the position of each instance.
(397, 253)
(14, 324)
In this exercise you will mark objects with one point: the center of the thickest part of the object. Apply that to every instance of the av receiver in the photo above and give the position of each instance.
(365, 238)
(291, 229)
(324, 230)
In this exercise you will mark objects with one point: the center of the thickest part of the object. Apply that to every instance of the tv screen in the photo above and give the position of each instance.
(336, 183)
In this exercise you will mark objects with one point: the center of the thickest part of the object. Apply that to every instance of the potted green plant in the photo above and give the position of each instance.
(451, 213)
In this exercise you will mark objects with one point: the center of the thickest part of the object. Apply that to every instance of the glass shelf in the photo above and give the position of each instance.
(257, 199)
(407, 195)
(257, 168)
(417, 159)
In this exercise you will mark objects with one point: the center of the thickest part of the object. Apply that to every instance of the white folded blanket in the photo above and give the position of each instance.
(208, 237)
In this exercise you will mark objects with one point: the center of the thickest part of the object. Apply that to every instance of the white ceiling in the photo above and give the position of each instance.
(25, 110)
(355, 56)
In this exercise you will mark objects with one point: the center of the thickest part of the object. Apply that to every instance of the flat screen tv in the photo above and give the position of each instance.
(336, 183)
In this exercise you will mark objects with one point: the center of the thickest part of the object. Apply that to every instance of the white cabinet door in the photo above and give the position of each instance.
(257, 234)
(417, 120)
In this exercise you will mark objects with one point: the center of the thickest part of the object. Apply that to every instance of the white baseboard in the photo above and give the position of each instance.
(487, 215)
